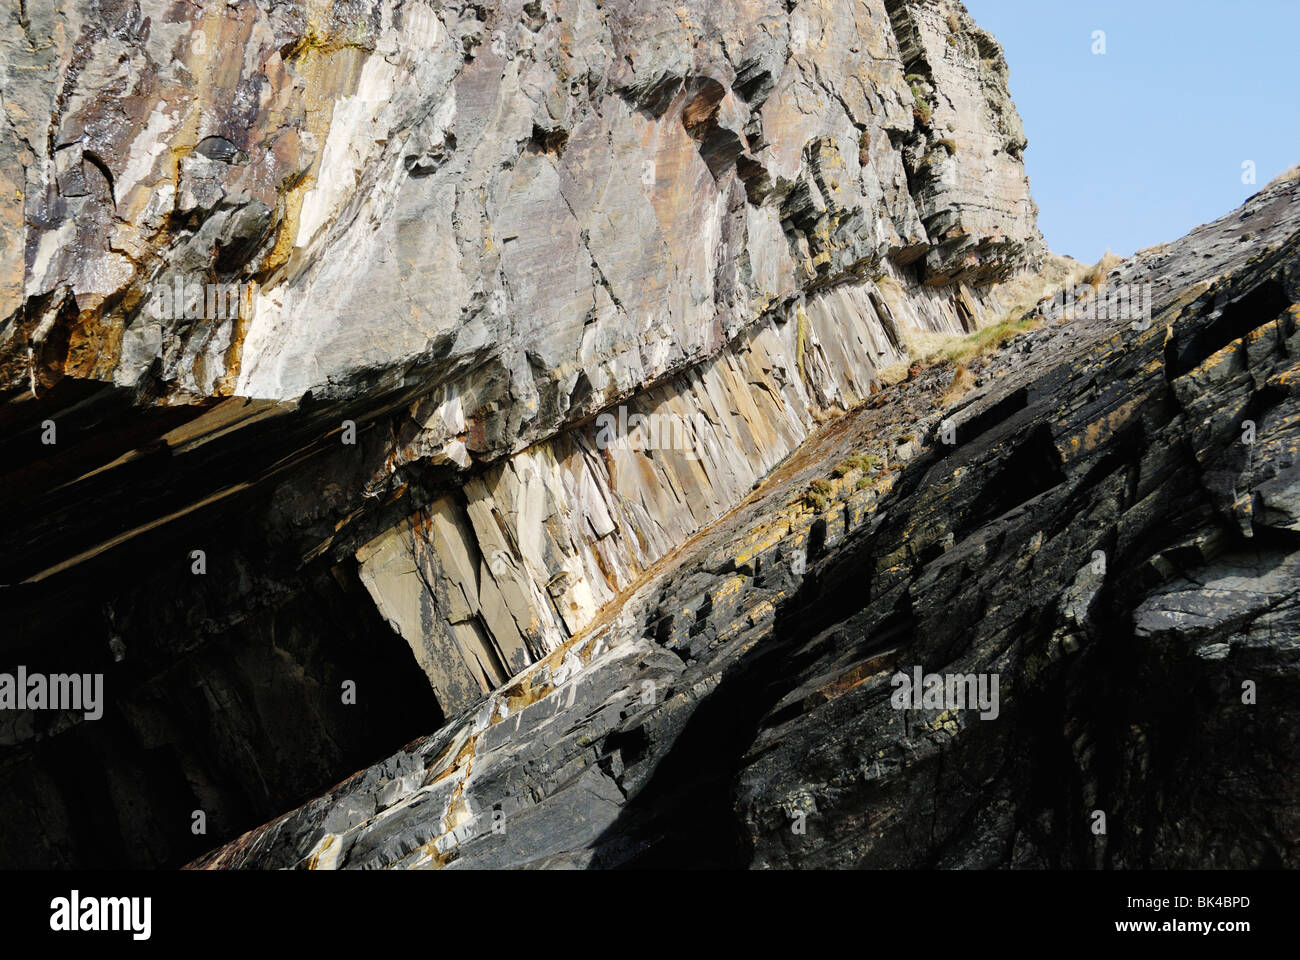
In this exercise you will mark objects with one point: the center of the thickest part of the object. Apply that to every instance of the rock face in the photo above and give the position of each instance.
(1098, 536)
(558, 202)
(332, 295)
(505, 380)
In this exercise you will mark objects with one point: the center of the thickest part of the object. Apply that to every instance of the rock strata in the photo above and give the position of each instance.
(313, 322)
(1098, 537)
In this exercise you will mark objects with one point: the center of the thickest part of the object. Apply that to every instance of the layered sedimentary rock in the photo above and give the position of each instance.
(567, 199)
(310, 310)
(316, 318)
(528, 551)
(1106, 522)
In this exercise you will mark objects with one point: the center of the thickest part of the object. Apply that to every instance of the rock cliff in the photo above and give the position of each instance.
(316, 320)
(1099, 534)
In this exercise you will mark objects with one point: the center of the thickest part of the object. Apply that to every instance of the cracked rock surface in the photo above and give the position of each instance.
(311, 315)
(1098, 536)
(332, 293)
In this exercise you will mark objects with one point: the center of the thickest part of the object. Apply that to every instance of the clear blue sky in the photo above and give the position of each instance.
(1141, 144)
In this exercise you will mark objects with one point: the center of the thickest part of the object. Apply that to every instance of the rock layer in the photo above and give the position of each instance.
(243, 236)
(322, 315)
(576, 199)
(1099, 535)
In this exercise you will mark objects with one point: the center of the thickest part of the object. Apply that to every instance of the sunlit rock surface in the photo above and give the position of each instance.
(447, 240)
(1098, 536)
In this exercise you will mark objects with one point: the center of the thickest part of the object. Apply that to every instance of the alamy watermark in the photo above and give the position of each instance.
(55, 691)
(953, 691)
(652, 431)
(75, 913)
(1124, 301)
(189, 299)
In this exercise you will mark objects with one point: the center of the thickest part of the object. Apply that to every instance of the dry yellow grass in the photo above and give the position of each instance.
(1288, 177)
(962, 383)
(1019, 295)
(1156, 248)
(1096, 277)
(1024, 291)
(892, 374)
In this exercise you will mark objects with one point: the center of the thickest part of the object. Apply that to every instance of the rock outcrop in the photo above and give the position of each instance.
(332, 334)
(1099, 535)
